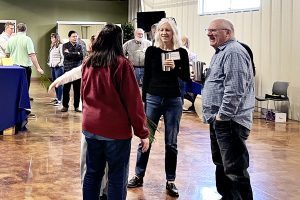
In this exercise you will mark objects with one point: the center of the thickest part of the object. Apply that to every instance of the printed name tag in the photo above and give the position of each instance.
(175, 55)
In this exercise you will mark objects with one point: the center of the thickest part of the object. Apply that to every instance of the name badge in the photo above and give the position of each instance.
(175, 55)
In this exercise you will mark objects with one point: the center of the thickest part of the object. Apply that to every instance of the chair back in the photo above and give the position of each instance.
(280, 88)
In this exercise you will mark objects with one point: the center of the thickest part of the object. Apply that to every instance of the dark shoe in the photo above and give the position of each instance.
(31, 116)
(30, 98)
(172, 190)
(77, 110)
(189, 110)
(103, 197)
(135, 182)
(53, 101)
(64, 109)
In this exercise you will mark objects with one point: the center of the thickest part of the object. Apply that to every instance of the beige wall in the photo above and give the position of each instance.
(272, 33)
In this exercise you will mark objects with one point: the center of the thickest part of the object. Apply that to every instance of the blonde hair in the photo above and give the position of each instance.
(185, 41)
(176, 35)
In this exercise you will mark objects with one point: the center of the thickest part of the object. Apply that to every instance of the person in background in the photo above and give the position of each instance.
(21, 49)
(73, 56)
(9, 28)
(152, 33)
(161, 94)
(228, 100)
(248, 49)
(192, 59)
(55, 62)
(112, 106)
(89, 47)
(135, 50)
(83, 46)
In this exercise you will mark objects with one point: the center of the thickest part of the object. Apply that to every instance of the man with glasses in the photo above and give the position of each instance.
(228, 103)
(21, 49)
(73, 56)
(135, 51)
(9, 28)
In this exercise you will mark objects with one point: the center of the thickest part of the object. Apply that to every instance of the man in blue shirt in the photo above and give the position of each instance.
(228, 103)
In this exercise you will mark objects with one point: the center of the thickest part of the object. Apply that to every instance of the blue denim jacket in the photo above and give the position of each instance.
(229, 85)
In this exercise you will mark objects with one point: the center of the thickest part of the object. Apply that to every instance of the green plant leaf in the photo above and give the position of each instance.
(152, 128)
(45, 81)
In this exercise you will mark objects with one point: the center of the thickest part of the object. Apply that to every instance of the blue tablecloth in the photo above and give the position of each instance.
(14, 97)
(193, 87)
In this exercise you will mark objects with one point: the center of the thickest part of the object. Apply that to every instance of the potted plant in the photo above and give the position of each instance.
(128, 31)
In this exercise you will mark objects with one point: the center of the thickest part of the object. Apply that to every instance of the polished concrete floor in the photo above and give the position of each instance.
(43, 163)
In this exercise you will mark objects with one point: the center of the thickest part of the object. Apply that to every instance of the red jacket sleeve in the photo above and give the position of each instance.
(131, 98)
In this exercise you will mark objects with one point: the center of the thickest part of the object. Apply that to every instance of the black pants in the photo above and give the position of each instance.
(230, 155)
(66, 93)
(28, 74)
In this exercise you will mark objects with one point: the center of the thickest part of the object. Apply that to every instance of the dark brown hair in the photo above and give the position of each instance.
(57, 40)
(107, 47)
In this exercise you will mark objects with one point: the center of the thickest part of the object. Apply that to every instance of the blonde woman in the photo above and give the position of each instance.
(165, 63)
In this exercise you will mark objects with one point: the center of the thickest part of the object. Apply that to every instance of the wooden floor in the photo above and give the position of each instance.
(43, 163)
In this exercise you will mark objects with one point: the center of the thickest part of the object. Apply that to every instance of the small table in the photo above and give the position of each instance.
(14, 100)
(193, 87)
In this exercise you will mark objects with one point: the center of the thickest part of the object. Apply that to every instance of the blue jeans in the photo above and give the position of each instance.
(139, 74)
(57, 72)
(231, 157)
(116, 154)
(171, 109)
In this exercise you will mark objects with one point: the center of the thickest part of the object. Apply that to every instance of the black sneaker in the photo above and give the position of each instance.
(77, 110)
(103, 197)
(189, 110)
(172, 190)
(53, 101)
(135, 182)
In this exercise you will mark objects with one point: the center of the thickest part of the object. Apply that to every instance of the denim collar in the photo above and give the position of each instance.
(223, 46)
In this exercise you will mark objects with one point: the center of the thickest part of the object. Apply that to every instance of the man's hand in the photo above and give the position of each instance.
(218, 117)
(40, 70)
(192, 75)
(145, 144)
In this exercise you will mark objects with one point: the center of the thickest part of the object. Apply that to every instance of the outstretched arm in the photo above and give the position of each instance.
(67, 77)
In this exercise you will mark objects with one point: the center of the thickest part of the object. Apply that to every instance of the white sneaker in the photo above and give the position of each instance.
(57, 103)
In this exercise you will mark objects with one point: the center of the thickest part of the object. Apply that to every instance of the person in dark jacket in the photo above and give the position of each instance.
(73, 56)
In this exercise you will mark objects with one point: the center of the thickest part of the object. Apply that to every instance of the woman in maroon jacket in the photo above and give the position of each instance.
(111, 105)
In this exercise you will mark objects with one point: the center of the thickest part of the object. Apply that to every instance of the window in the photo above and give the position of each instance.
(224, 6)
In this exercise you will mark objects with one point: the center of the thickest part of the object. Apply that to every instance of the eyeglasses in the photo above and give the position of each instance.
(215, 30)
